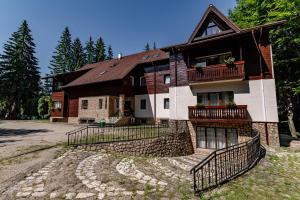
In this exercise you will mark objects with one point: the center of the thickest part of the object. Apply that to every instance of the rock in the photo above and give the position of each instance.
(53, 195)
(295, 144)
(70, 195)
(23, 194)
(84, 195)
(39, 194)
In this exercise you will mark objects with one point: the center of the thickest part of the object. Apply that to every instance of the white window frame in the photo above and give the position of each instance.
(132, 80)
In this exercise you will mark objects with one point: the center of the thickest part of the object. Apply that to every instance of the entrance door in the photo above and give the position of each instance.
(211, 138)
(127, 105)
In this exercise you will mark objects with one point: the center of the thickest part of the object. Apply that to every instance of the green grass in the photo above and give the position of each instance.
(276, 177)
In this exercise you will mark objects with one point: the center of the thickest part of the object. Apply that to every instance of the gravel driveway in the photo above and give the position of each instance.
(23, 137)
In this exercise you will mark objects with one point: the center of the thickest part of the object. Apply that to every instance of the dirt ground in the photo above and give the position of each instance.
(37, 140)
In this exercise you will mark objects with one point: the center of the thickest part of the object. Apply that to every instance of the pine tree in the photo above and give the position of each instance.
(154, 45)
(147, 47)
(90, 51)
(19, 73)
(78, 55)
(62, 59)
(100, 50)
(110, 54)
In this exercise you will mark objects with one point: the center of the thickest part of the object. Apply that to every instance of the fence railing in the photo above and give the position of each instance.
(218, 113)
(95, 134)
(225, 164)
(217, 72)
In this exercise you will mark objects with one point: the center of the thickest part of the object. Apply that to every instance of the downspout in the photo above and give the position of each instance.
(175, 91)
(262, 88)
(154, 92)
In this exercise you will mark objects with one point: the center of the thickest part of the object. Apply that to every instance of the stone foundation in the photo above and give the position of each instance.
(73, 120)
(268, 131)
(58, 119)
(173, 144)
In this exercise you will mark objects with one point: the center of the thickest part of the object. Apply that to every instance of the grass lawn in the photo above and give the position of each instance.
(275, 177)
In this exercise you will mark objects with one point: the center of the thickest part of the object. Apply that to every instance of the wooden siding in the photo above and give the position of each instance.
(58, 96)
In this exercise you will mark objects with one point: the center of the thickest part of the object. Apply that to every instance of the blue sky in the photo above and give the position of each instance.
(125, 24)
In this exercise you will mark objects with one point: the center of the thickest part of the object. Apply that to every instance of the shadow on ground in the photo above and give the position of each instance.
(17, 132)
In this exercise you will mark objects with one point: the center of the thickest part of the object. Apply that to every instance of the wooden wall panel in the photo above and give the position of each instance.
(58, 96)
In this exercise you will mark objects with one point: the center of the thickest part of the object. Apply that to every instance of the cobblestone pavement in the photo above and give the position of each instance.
(79, 174)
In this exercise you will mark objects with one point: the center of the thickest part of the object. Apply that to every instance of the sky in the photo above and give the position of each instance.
(125, 24)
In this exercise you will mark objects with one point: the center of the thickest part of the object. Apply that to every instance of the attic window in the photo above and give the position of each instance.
(146, 57)
(156, 55)
(211, 29)
(103, 72)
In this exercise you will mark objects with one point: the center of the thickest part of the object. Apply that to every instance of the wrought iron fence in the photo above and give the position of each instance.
(95, 134)
(225, 164)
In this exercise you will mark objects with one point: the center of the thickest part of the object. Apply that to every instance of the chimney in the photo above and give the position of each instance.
(119, 56)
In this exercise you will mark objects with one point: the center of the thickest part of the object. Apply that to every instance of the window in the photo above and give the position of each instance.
(56, 104)
(100, 103)
(215, 138)
(105, 105)
(210, 60)
(84, 104)
(211, 29)
(132, 80)
(142, 81)
(215, 98)
(167, 79)
(167, 103)
(143, 104)
(57, 86)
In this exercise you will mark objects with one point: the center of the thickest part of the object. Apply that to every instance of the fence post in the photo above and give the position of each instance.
(87, 135)
(68, 139)
(216, 171)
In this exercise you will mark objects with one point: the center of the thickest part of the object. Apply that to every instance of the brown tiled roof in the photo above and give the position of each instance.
(116, 69)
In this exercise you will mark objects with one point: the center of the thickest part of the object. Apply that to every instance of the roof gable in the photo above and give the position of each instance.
(213, 23)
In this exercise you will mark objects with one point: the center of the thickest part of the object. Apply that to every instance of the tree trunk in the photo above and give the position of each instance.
(291, 124)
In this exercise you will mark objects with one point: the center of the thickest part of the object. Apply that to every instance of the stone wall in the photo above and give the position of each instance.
(268, 131)
(176, 143)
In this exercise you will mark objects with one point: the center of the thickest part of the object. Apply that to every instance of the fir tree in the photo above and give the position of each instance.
(78, 55)
(19, 73)
(110, 54)
(147, 47)
(62, 59)
(154, 45)
(90, 51)
(100, 50)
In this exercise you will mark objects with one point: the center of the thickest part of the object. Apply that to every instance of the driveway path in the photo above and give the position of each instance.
(21, 137)
(80, 174)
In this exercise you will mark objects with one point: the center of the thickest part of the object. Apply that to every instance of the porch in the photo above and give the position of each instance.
(217, 72)
(218, 113)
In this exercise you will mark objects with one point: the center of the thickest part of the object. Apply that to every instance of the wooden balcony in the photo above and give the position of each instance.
(218, 113)
(217, 73)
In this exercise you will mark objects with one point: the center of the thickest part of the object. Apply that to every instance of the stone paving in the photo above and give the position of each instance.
(79, 174)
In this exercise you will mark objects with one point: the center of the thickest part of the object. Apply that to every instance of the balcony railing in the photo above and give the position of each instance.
(211, 113)
(217, 73)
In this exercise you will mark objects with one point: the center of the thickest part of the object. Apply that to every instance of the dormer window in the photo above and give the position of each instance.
(211, 29)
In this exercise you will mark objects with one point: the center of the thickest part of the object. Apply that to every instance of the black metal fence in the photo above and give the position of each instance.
(225, 164)
(95, 134)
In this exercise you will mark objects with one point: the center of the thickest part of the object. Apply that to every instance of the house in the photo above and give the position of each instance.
(221, 81)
